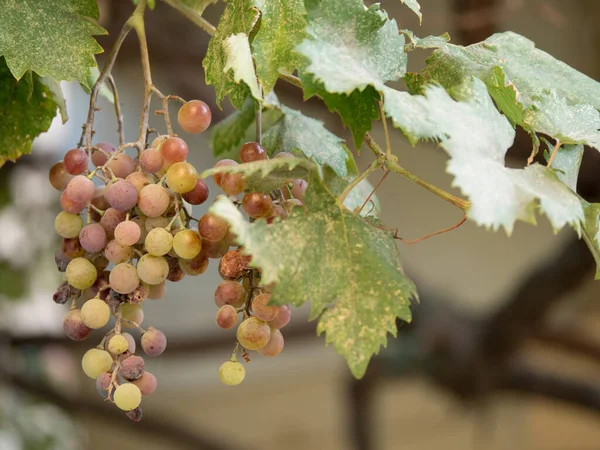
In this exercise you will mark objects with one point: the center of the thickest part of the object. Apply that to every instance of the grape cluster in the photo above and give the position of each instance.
(120, 242)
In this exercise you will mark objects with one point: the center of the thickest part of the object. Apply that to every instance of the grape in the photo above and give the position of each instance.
(223, 163)
(153, 342)
(61, 260)
(101, 281)
(174, 150)
(187, 244)
(233, 183)
(95, 313)
(151, 161)
(80, 189)
(64, 293)
(157, 291)
(76, 161)
(124, 278)
(285, 155)
(68, 225)
(71, 248)
(98, 158)
(122, 195)
(139, 180)
(69, 205)
(114, 299)
(111, 218)
(158, 141)
(59, 177)
(154, 200)
(227, 317)
(132, 367)
(146, 383)
(229, 293)
(117, 253)
(261, 308)
(274, 346)
(127, 397)
(277, 211)
(198, 195)
(257, 204)
(118, 344)
(74, 327)
(232, 373)
(122, 165)
(139, 294)
(135, 414)
(194, 116)
(127, 233)
(156, 222)
(253, 333)
(283, 318)
(140, 221)
(195, 266)
(175, 272)
(252, 151)
(99, 201)
(214, 250)
(95, 362)
(93, 237)
(212, 228)
(103, 383)
(158, 242)
(181, 177)
(299, 188)
(133, 313)
(81, 273)
(98, 260)
(130, 342)
(233, 264)
(152, 269)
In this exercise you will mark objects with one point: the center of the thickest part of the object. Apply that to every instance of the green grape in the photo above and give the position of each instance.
(181, 177)
(127, 397)
(187, 244)
(232, 373)
(81, 273)
(118, 344)
(95, 362)
(95, 313)
(253, 333)
(152, 269)
(68, 225)
(124, 278)
(132, 312)
(158, 242)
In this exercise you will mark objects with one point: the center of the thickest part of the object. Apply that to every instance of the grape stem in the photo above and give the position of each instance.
(372, 168)
(118, 113)
(554, 152)
(165, 107)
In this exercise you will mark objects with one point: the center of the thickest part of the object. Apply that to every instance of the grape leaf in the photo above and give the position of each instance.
(198, 6)
(591, 230)
(415, 7)
(567, 163)
(239, 59)
(353, 277)
(477, 136)
(26, 108)
(415, 42)
(282, 24)
(297, 133)
(51, 38)
(57, 95)
(267, 175)
(105, 90)
(534, 90)
(349, 47)
(239, 17)
(357, 110)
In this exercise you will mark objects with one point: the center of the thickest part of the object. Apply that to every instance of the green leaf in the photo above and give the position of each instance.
(357, 110)
(105, 90)
(297, 133)
(349, 47)
(239, 16)
(477, 136)
(590, 231)
(424, 43)
(567, 163)
(534, 90)
(282, 24)
(239, 59)
(415, 7)
(268, 175)
(353, 277)
(51, 38)
(26, 109)
(198, 6)
(57, 96)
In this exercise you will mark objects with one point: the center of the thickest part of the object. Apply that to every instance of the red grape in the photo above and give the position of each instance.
(252, 151)
(92, 237)
(227, 317)
(229, 293)
(76, 161)
(59, 177)
(74, 327)
(111, 218)
(212, 228)
(69, 205)
(194, 116)
(151, 161)
(198, 195)
(257, 204)
(174, 150)
(80, 189)
(122, 195)
(98, 158)
(233, 183)
(223, 163)
(122, 165)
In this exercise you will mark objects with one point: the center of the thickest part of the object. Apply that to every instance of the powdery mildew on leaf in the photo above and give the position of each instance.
(239, 60)
(477, 136)
(349, 270)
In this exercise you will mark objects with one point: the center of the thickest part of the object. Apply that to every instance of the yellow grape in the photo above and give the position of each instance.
(95, 362)
(68, 225)
(127, 397)
(181, 177)
(159, 242)
(133, 312)
(187, 244)
(152, 269)
(95, 313)
(232, 373)
(81, 273)
(124, 278)
(118, 344)
(253, 333)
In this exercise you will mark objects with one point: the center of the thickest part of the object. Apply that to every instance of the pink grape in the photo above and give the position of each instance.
(154, 342)
(147, 383)
(154, 200)
(92, 237)
(151, 161)
(194, 116)
(283, 318)
(122, 195)
(76, 161)
(229, 293)
(262, 309)
(274, 346)
(174, 150)
(98, 158)
(227, 317)
(132, 367)
(122, 165)
(69, 205)
(127, 233)
(103, 383)
(157, 291)
(111, 218)
(223, 163)
(74, 327)
(117, 253)
(80, 189)
(139, 179)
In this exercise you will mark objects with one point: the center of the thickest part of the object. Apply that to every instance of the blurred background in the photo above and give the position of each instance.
(503, 353)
